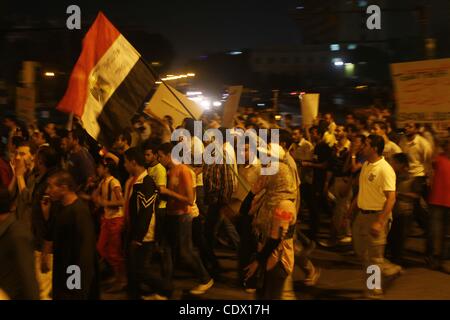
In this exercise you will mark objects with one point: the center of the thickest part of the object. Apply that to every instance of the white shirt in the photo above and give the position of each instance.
(304, 151)
(106, 189)
(390, 148)
(419, 155)
(159, 175)
(374, 180)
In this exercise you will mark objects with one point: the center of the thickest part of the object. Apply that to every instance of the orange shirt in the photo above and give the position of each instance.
(179, 180)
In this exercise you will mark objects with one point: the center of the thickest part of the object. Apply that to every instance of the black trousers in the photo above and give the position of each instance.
(139, 272)
(247, 247)
(273, 283)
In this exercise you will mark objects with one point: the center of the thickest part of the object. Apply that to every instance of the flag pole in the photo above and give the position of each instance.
(69, 125)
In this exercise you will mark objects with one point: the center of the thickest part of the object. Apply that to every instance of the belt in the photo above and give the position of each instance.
(370, 211)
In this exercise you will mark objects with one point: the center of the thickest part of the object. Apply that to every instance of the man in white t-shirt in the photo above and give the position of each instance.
(390, 147)
(419, 153)
(374, 202)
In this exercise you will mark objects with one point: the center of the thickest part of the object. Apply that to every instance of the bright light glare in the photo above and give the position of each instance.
(191, 74)
(335, 47)
(235, 53)
(205, 104)
(193, 93)
(49, 74)
(338, 62)
(217, 103)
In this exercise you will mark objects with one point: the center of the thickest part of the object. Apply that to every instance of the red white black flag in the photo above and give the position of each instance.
(109, 83)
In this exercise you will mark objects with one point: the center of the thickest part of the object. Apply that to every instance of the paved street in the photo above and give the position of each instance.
(341, 278)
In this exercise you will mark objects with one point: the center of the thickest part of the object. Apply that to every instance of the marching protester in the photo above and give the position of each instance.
(374, 204)
(141, 197)
(274, 219)
(178, 223)
(71, 238)
(109, 197)
(17, 277)
(439, 200)
(47, 162)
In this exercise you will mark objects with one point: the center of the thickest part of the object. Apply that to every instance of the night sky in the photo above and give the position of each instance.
(193, 27)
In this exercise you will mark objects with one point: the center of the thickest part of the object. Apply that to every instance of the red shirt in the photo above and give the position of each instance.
(440, 187)
(5, 173)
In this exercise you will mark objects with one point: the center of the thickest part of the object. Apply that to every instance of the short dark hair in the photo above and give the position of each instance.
(288, 116)
(401, 158)
(109, 164)
(33, 148)
(150, 145)
(49, 157)
(64, 178)
(5, 200)
(135, 154)
(166, 148)
(77, 134)
(313, 128)
(351, 127)
(342, 125)
(381, 124)
(377, 142)
(16, 141)
(189, 125)
(285, 137)
(126, 136)
(322, 128)
(361, 137)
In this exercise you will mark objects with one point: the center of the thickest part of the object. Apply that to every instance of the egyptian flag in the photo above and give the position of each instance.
(109, 83)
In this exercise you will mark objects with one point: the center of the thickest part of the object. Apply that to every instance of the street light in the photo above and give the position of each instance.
(49, 74)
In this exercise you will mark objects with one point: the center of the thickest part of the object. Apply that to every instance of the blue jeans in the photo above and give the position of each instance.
(439, 224)
(178, 241)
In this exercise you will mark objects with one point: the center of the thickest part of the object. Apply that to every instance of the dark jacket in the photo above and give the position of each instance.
(17, 274)
(141, 207)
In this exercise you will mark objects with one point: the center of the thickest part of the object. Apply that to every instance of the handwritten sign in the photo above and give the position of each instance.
(422, 91)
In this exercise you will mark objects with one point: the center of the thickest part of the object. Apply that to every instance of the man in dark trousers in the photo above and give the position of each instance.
(141, 199)
(72, 237)
(17, 276)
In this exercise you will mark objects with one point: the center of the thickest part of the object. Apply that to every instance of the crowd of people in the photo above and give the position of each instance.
(128, 216)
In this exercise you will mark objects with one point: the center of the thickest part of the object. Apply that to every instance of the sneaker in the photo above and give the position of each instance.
(154, 296)
(327, 243)
(345, 240)
(313, 278)
(392, 270)
(375, 294)
(202, 288)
